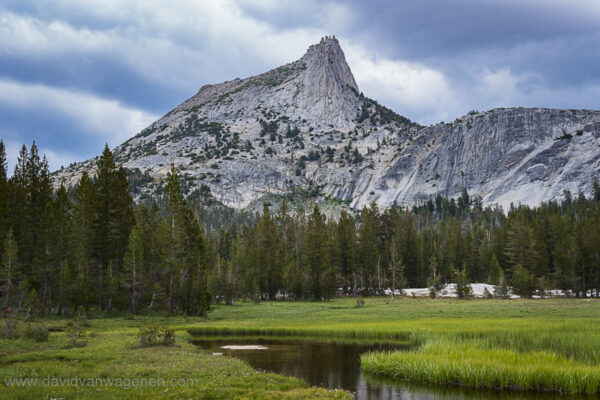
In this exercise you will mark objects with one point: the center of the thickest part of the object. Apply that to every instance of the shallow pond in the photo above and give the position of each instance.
(337, 366)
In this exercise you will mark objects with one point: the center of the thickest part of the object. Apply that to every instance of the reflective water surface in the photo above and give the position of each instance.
(337, 366)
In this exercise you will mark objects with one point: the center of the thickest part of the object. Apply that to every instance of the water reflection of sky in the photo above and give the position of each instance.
(337, 366)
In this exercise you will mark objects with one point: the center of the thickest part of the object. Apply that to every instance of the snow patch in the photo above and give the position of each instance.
(245, 347)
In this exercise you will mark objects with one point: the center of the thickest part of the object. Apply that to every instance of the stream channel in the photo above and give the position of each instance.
(337, 366)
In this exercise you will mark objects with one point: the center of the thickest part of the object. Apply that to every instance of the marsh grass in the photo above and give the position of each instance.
(502, 369)
(550, 345)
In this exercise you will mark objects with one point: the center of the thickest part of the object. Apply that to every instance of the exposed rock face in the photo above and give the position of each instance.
(513, 155)
(305, 128)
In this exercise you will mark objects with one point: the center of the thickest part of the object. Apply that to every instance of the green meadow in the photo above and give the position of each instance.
(550, 345)
(119, 369)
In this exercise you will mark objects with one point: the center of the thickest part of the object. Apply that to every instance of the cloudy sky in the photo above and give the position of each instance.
(75, 74)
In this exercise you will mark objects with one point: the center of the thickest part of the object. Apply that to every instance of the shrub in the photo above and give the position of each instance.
(156, 334)
(360, 302)
(76, 329)
(432, 292)
(435, 285)
(487, 293)
(168, 335)
(39, 333)
(463, 288)
(35, 308)
(147, 336)
(10, 324)
(523, 282)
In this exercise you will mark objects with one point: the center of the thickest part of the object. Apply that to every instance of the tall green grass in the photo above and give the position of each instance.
(443, 362)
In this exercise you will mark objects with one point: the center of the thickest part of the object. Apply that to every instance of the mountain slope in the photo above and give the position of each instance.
(305, 128)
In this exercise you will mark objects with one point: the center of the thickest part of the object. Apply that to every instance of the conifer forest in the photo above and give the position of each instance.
(93, 246)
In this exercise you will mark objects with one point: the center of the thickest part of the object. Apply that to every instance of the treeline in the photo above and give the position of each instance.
(96, 248)
(306, 256)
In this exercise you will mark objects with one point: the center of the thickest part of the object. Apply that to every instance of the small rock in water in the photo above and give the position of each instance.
(217, 354)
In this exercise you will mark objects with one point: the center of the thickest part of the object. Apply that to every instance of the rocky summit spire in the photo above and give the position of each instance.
(326, 58)
(318, 88)
(325, 90)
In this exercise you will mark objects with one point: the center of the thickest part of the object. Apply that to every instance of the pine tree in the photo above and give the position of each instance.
(495, 271)
(174, 215)
(17, 200)
(285, 249)
(596, 190)
(8, 272)
(36, 241)
(345, 251)
(200, 294)
(80, 293)
(39, 195)
(133, 265)
(125, 216)
(316, 252)
(461, 279)
(523, 281)
(104, 211)
(4, 196)
(397, 268)
(520, 244)
(113, 220)
(81, 240)
(410, 251)
(155, 234)
(84, 211)
(434, 280)
(61, 221)
(367, 250)
(464, 201)
(501, 289)
(268, 265)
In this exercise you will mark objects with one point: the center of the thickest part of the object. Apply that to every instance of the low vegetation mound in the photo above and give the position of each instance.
(156, 334)
(445, 362)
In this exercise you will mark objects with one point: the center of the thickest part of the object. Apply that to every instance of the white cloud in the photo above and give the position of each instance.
(427, 95)
(108, 119)
(24, 35)
(583, 8)
(503, 88)
(411, 89)
(182, 45)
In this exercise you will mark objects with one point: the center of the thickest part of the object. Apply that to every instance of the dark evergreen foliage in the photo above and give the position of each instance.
(97, 249)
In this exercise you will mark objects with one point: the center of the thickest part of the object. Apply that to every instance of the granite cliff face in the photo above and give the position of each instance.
(516, 155)
(305, 128)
